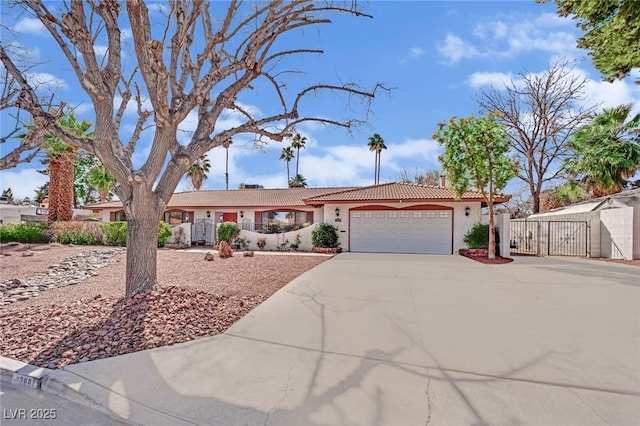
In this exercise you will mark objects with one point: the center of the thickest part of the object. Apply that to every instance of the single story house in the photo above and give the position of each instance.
(394, 217)
(614, 223)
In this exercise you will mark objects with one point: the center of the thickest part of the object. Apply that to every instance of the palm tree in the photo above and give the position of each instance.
(297, 143)
(61, 161)
(376, 144)
(227, 143)
(287, 155)
(606, 152)
(298, 181)
(100, 178)
(198, 171)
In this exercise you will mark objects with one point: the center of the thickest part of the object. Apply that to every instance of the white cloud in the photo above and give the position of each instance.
(30, 26)
(46, 80)
(455, 49)
(495, 30)
(22, 182)
(495, 79)
(417, 51)
(510, 36)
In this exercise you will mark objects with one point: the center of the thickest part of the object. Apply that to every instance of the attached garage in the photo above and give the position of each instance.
(401, 217)
(401, 231)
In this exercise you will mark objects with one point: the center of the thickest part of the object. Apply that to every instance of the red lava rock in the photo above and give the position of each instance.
(225, 250)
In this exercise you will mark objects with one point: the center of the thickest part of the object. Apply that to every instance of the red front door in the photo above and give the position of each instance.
(230, 217)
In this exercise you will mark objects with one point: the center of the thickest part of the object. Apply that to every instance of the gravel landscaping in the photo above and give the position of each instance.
(91, 319)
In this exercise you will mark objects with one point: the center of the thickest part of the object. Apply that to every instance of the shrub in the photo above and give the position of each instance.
(115, 233)
(227, 232)
(325, 235)
(164, 232)
(78, 233)
(262, 242)
(243, 243)
(295, 245)
(478, 237)
(23, 233)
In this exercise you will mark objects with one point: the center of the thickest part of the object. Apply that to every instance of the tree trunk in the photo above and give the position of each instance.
(61, 176)
(142, 246)
(226, 174)
(492, 233)
(535, 202)
(288, 174)
(379, 163)
(54, 188)
(67, 172)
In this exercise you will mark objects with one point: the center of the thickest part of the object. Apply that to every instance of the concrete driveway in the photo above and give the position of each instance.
(375, 339)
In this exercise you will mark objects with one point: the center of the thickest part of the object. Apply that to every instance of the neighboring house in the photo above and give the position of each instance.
(614, 223)
(11, 213)
(391, 218)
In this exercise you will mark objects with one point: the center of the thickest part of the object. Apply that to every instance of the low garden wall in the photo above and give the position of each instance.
(280, 242)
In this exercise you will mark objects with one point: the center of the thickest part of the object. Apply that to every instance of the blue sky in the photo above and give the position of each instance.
(436, 55)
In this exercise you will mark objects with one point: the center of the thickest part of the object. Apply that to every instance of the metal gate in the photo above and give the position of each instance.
(550, 238)
(202, 229)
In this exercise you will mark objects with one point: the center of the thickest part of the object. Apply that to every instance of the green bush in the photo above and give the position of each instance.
(164, 232)
(478, 237)
(325, 235)
(78, 233)
(23, 233)
(115, 233)
(227, 232)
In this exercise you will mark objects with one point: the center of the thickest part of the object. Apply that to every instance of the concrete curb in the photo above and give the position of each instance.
(74, 388)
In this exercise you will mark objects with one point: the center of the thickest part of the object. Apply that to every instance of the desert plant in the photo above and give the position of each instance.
(295, 245)
(325, 235)
(164, 232)
(115, 233)
(78, 233)
(262, 242)
(243, 243)
(227, 232)
(23, 233)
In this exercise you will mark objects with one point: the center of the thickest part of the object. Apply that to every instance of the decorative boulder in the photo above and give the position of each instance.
(208, 257)
(248, 254)
(27, 253)
(225, 250)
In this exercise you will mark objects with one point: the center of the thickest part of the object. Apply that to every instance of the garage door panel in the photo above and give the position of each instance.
(417, 231)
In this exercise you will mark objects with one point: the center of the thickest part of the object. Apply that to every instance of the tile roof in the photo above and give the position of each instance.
(244, 198)
(236, 198)
(395, 191)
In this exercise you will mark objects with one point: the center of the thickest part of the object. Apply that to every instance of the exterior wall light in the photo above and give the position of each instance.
(208, 214)
(467, 211)
(337, 212)
(241, 213)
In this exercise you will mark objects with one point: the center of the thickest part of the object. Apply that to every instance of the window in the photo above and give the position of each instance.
(444, 214)
(118, 216)
(176, 218)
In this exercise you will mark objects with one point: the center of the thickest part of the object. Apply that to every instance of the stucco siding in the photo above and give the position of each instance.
(616, 233)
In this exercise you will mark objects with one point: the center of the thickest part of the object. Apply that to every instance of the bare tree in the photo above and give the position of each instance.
(539, 113)
(421, 176)
(192, 59)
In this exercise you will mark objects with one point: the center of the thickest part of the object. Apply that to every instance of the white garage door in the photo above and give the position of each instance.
(412, 231)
